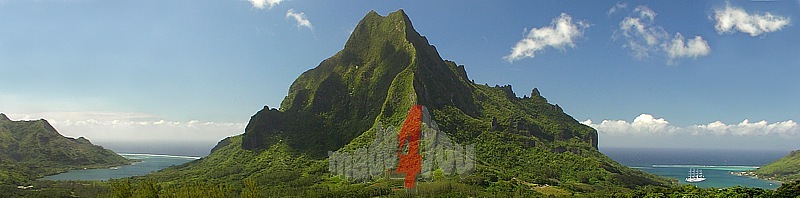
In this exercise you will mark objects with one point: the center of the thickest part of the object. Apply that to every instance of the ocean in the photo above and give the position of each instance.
(716, 164)
(186, 148)
(148, 163)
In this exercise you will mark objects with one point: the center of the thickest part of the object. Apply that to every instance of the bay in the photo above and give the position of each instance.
(716, 164)
(147, 163)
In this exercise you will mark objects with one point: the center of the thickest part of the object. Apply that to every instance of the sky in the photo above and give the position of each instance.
(661, 74)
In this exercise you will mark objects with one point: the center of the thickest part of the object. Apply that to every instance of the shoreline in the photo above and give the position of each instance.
(752, 174)
(90, 167)
(136, 158)
(675, 171)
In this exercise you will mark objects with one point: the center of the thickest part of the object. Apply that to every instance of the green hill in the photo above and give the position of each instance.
(32, 149)
(384, 69)
(786, 169)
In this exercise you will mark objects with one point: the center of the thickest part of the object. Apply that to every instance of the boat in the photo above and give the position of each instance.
(695, 175)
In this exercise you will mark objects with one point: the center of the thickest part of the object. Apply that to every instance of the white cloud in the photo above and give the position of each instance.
(133, 127)
(644, 38)
(730, 19)
(618, 6)
(646, 124)
(645, 13)
(261, 4)
(82, 115)
(300, 18)
(788, 128)
(561, 33)
(642, 124)
(691, 48)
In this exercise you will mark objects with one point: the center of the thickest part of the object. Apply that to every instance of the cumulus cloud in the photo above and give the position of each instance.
(646, 124)
(561, 33)
(644, 38)
(134, 127)
(642, 124)
(300, 18)
(616, 7)
(692, 48)
(261, 4)
(784, 128)
(731, 19)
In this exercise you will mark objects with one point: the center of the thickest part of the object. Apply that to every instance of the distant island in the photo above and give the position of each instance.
(33, 149)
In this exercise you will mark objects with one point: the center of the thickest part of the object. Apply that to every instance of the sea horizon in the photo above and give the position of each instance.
(159, 155)
(717, 164)
(693, 156)
(192, 149)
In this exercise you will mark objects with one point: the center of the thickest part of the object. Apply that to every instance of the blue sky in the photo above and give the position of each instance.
(207, 66)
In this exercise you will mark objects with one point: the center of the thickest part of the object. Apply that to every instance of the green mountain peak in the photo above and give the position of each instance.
(385, 67)
(358, 94)
(31, 149)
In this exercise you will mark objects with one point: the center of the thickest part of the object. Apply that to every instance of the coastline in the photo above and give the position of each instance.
(718, 176)
(90, 167)
(752, 174)
(144, 164)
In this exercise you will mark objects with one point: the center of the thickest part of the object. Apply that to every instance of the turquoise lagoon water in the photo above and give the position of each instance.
(716, 176)
(716, 165)
(148, 163)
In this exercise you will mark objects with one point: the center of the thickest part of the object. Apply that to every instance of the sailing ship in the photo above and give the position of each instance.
(695, 175)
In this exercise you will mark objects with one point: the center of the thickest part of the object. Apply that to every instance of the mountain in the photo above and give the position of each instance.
(785, 169)
(385, 68)
(32, 149)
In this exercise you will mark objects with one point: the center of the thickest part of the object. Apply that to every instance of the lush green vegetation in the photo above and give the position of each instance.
(786, 169)
(44, 188)
(278, 171)
(787, 190)
(385, 68)
(525, 147)
(32, 149)
(385, 188)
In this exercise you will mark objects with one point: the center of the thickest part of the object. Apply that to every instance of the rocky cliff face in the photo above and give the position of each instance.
(385, 67)
(348, 105)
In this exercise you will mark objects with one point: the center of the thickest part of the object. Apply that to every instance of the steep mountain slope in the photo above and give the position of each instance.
(785, 169)
(31, 149)
(385, 68)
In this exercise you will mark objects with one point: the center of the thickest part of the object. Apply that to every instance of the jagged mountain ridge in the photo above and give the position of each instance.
(385, 67)
(376, 75)
(31, 149)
